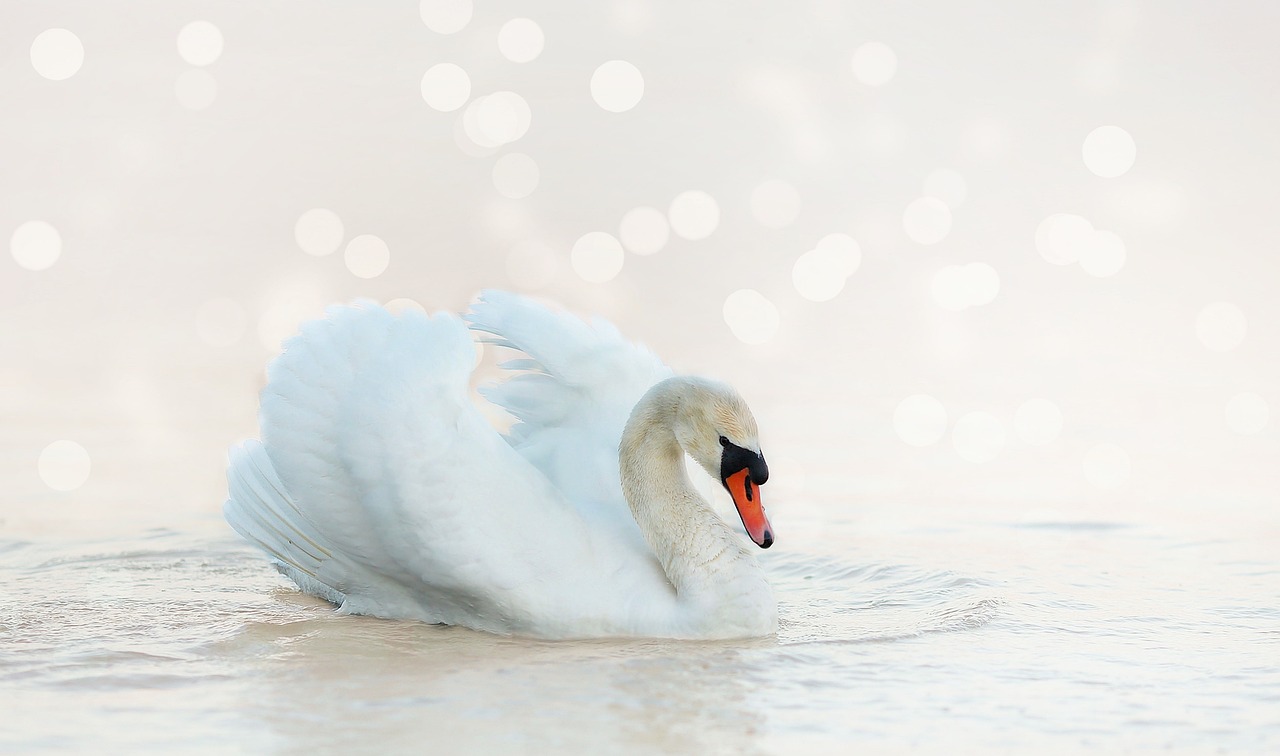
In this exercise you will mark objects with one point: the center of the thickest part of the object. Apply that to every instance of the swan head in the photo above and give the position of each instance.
(717, 429)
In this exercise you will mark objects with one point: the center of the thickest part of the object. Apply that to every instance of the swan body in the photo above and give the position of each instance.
(379, 485)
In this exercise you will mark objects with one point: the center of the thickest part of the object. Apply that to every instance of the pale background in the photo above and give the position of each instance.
(158, 182)
(162, 207)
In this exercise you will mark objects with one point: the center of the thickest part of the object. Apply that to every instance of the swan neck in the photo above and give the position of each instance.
(690, 540)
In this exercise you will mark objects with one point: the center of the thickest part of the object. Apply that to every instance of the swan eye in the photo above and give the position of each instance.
(724, 441)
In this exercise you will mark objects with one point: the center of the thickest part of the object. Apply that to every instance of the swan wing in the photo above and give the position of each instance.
(571, 395)
(385, 463)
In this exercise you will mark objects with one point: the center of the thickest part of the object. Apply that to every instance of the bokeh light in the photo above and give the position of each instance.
(617, 86)
(597, 257)
(318, 232)
(874, 64)
(366, 256)
(694, 215)
(948, 186)
(1060, 236)
(920, 420)
(445, 16)
(820, 274)
(1106, 466)
(466, 133)
(196, 89)
(446, 87)
(499, 118)
(200, 43)
(515, 175)
(221, 322)
(64, 465)
(775, 204)
(520, 40)
(817, 276)
(644, 230)
(1037, 422)
(532, 265)
(1103, 256)
(1109, 151)
(1221, 326)
(927, 220)
(35, 245)
(959, 287)
(751, 317)
(1065, 238)
(978, 437)
(57, 54)
(1247, 413)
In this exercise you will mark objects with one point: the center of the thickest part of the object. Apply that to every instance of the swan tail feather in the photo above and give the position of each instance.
(260, 510)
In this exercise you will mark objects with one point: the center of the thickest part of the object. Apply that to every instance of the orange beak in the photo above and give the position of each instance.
(746, 497)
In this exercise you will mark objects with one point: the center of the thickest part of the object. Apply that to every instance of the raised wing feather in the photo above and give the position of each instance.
(367, 422)
(573, 405)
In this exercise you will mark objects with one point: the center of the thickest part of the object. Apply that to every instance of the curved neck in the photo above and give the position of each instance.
(693, 544)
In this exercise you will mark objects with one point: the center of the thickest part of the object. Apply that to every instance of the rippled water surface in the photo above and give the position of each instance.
(991, 634)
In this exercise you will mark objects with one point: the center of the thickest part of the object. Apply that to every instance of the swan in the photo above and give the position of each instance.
(380, 486)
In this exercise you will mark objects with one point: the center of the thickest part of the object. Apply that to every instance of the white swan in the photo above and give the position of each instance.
(379, 486)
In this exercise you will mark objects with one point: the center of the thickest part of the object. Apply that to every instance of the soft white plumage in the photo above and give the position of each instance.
(379, 486)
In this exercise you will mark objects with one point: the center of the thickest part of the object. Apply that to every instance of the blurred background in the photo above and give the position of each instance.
(959, 258)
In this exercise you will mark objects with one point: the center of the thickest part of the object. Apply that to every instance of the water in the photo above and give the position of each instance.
(897, 631)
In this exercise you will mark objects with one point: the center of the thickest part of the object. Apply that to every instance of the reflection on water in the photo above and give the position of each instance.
(188, 640)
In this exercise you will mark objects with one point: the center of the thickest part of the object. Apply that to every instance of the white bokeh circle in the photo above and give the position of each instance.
(57, 54)
(200, 43)
(1247, 413)
(874, 63)
(64, 465)
(694, 215)
(367, 256)
(597, 257)
(751, 317)
(1109, 151)
(644, 230)
(520, 40)
(920, 420)
(318, 232)
(35, 245)
(515, 175)
(445, 16)
(1221, 326)
(446, 87)
(221, 322)
(775, 204)
(927, 220)
(1065, 238)
(1037, 422)
(500, 118)
(1106, 466)
(617, 86)
(978, 437)
(818, 276)
(1060, 236)
(1104, 255)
